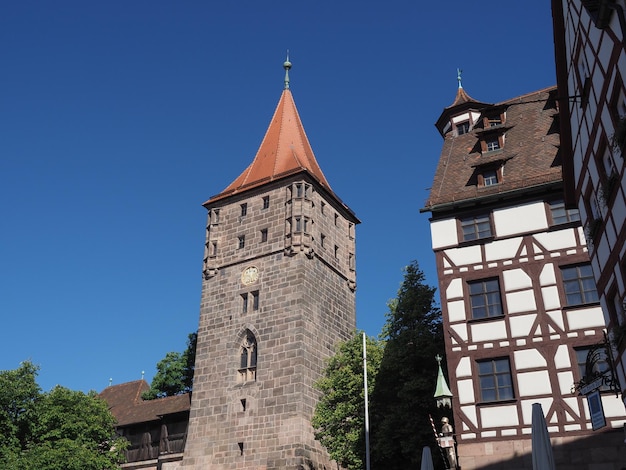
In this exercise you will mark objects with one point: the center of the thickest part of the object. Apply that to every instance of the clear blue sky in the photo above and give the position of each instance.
(118, 119)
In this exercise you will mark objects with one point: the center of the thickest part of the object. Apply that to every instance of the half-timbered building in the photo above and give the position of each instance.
(591, 66)
(519, 303)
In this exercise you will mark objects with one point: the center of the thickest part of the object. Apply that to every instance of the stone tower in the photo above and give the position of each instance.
(278, 295)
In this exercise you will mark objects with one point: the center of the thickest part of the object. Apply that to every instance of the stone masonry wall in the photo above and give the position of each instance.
(306, 305)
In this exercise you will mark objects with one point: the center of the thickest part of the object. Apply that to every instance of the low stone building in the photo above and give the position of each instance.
(156, 429)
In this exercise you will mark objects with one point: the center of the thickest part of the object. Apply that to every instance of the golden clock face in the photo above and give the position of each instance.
(249, 275)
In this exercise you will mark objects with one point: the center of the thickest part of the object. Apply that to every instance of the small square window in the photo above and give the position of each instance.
(242, 241)
(485, 298)
(490, 177)
(495, 380)
(492, 144)
(462, 128)
(244, 209)
(493, 121)
(266, 202)
(476, 227)
(579, 284)
(263, 235)
(561, 215)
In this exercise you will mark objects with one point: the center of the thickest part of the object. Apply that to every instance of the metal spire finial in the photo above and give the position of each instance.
(287, 66)
(458, 77)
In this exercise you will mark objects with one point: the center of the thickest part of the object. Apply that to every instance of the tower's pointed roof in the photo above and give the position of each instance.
(285, 150)
(462, 102)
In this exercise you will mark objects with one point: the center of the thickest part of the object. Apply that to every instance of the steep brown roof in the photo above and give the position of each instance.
(461, 97)
(461, 102)
(128, 408)
(529, 152)
(285, 150)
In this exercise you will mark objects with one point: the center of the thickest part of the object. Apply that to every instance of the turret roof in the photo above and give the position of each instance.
(285, 150)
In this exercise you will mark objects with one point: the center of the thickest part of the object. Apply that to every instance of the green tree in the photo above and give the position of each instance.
(403, 398)
(174, 372)
(57, 430)
(339, 418)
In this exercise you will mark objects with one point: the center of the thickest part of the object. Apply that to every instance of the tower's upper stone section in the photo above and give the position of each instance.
(285, 150)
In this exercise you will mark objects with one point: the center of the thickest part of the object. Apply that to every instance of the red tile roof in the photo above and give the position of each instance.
(285, 150)
(128, 408)
(529, 152)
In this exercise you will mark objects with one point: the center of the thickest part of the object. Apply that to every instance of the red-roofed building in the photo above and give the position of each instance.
(519, 304)
(156, 429)
(278, 295)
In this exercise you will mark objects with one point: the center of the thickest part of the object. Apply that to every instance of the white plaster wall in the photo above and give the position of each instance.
(465, 255)
(466, 391)
(522, 301)
(550, 296)
(455, 289)
(562, 358)
(488, 331)
(566, 382)
(461, 330)
(547, 276)
(558, 240)
(527, 408)
(443, 233)
(557, 317)
(497, 416)
(521, 325)
(534, 383)
(515, 279)
(520, 219)
(528, 359)
(613, 407)
(464, 368)
(572, 403)
(502, 249)
(470, 412)
(456, 311)
(585, 318)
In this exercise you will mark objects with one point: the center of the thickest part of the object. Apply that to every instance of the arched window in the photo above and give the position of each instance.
(247, 358)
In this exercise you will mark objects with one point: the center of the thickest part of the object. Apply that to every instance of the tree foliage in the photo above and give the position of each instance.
(403, 397)
(339, 418)
(57, 430)
(174, 372)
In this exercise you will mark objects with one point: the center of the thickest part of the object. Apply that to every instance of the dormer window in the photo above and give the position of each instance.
(462, 128)
(493, 120)
(492, 143)
(489, 174)
(490, 177)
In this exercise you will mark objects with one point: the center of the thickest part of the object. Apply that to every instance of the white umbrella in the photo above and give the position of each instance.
(542, 449)
(427, 459)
